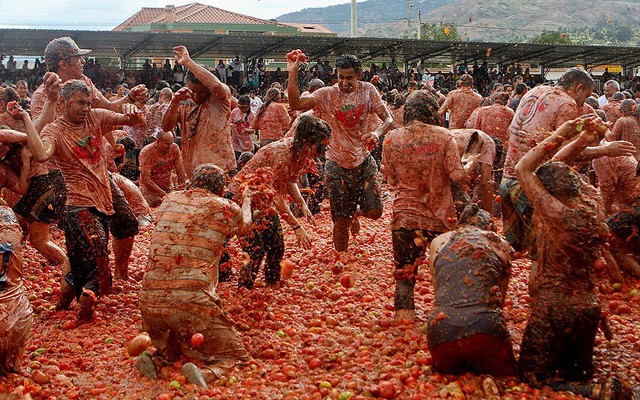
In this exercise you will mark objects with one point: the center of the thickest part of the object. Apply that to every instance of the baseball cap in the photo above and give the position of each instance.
(62, 48)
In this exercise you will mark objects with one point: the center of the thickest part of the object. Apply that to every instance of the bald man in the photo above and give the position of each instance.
(157, 162)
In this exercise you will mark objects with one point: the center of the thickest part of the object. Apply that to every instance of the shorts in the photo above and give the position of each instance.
(479, 353)
(86, 233)
(172, 326)
(406, 251)
(350, 188)
(45, 199)
(517, 215)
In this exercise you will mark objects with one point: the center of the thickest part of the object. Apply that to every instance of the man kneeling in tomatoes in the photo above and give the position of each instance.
(470, 267)
(178, 300)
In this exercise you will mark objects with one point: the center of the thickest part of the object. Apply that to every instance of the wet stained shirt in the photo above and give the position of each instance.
(542, 110)
(160, 165)
(461, 103)
(494, 120)
(347, 114)
(421, 158)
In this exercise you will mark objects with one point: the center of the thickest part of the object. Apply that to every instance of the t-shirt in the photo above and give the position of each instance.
(347, 113)
(541, 111)
(132, 193)
(494, 120)
(487, 150)
(240, 121)
(206, 134)
(186, 246)
(421, 158)
(273, 123)
(160, 166)
(81, 158)
(460, 103)
(468, 272)
(567, 244)
(278, 157)
(255, 104)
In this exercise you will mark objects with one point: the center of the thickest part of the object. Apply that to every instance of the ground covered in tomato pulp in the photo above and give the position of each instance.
(311, 339)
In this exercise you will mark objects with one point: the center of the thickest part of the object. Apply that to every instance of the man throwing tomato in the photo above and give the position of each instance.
(350, 171)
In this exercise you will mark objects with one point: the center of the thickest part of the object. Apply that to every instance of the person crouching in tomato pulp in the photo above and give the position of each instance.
(178, 297)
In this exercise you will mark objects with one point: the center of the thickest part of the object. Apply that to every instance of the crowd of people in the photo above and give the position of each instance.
(558, 163)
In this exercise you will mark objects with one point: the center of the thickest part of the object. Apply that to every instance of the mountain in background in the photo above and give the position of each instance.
(597, 22)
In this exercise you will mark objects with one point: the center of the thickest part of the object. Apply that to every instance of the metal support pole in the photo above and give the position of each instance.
(354, 19)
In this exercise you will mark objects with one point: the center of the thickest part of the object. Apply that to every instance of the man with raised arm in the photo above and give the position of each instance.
(202, 109)
(350, 171)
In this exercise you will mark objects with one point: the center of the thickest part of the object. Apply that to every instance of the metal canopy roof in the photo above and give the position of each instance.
(31, 42)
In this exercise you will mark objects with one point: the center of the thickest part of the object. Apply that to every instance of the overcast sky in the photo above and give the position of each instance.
(106, 14)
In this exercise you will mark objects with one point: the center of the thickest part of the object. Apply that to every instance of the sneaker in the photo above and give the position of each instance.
(146, 367)
(193, 374)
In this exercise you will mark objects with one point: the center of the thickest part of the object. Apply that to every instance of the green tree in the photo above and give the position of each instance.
(444, 32)
(552, 37)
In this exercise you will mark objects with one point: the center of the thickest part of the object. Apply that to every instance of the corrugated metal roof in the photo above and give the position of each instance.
(31, 42)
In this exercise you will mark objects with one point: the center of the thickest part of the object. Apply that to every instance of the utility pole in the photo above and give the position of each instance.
(354, 19)
(419, 24)
(409, 5)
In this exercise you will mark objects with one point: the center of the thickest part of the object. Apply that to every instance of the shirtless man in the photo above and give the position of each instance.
(470, 269)
(157, 162)
(419, 159)
(179, 299)
(460, 103)
(94, 204)
(627, 127)
(350, 171)
(612, 108)
(202, 109)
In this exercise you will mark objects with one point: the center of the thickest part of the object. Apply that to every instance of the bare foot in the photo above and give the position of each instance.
(355, 226)
(405, 316)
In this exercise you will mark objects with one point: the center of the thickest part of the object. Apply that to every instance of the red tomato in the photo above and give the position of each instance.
(197, 339)
(138, 344)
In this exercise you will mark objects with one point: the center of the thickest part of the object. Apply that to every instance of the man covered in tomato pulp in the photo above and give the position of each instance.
(423, 204)
(178, 297)
(202, 109)
(558, 342)
(350, 171)
(94, 205)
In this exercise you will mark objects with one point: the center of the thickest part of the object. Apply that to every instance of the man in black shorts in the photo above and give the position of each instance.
(94, 205)
(350, 171)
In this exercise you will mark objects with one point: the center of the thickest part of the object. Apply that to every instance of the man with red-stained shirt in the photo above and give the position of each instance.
(423, 205)
(494, 119)
(94, 205)
(461, 102)
(157, 162)
(541, 111)
(350, 170)
(202, 110)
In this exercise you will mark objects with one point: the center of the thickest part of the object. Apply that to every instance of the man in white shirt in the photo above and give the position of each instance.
(610, 87)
